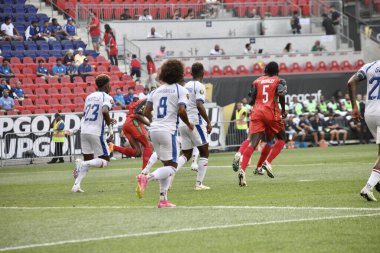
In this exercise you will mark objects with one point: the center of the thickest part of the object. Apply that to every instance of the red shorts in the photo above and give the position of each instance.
(132, 128)
(262, 121)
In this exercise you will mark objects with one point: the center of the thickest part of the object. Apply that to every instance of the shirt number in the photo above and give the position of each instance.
(265, 93)
(91, 113)
(376, 82)
(162, 108)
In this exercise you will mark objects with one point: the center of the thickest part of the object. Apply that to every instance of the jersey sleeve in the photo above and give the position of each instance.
(108, 102)
(200, 93)
(362, 72)
(282, 89)
(183, 96)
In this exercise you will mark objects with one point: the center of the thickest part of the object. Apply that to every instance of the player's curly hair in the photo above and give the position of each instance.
(197, 70)
(271, 69)
(101, 80)
(172, 71)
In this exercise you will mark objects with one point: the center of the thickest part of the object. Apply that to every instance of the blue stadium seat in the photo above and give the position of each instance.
(7, 1)
(6, 46)
(20, 2)
(79, 43)
(6, 54)
(31, 9)
(43, 53)
(19, 8)
(18, 45)
(31, 53)
(42, 45)
(7, 9)
(55, 45)
(42, 17)
(31, 17)
(18, 54)
(20, 27)
(20, 19)
(56, 53)
(30, 45)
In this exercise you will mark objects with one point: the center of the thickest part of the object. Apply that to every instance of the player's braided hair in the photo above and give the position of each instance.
(172, 71)
(101, 80)
(197, 70)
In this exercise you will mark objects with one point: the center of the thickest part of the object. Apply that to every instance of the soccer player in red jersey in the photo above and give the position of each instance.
(134, 130)
(266, 118)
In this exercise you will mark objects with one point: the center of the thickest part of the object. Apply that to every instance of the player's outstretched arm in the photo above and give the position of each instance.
(183, 115)
(202, 112)
(352, 82)
(148, 111)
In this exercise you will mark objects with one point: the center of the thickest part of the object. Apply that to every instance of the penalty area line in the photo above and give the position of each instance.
(191, 229)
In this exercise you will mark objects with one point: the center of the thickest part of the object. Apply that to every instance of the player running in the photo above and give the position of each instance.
(168, 102)
(198, 116)
(371, 73)
(93, 140)
(266, 121)
(134, 130)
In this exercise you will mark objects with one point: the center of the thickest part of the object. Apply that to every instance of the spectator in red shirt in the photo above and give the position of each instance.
(113, 49)
(94, 30)
(135, 67)
(107, 31)
(151, 69)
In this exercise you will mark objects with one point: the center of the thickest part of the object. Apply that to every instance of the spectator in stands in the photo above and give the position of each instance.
(355, 127)
(113, 49)
(333, 105)
(363, 125)
(152, 74)
(177, 15)
(241, 125)
(47, 32)
(58, 137)
(42, 71)
(296, 107)
(318, 125)
(125, 15)
(153, 34)
(311, 105)
(69, 56)
(18, 92)
(57, 31)
(288, 49)
(6, 70)
(317, 47)
(307, 128)
(146, 16)
(79, 57)
(295, 23)
(129, 97)
(322, 106)
(32, 32)
(245, 104)
(85, 70)
(71, 30)
(253, 14)
(59, 69)
(106, 38)
(144, 94)
(161, 52)
(248, 49)
(94, 30)
(335, 17)
(335, 130)
(327, 23)
(5, 86)
(347, 106)
(9, 32)
(6, 102)
(217, 50)
(119, 98)
(290, 128)
(135, 67)
(71, 70)
(190, 14)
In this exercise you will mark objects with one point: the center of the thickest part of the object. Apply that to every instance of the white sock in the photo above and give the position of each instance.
(181, 161)
(164, 186)
(195, 155)
(82, 173)
(152, 160)
(162, 173)
(96, 162)
(373, 179)
(202, 168)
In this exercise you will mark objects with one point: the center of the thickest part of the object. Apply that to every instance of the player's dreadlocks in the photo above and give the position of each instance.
(172, 71)
(271, 69)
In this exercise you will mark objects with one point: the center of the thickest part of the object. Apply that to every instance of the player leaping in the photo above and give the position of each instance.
(168, 103)
(371, 73)
(266, 118)
(93, 140)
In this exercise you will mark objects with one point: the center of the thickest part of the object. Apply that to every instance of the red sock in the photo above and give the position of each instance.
(125, 151)
(276, 149)
(147, 152)
(246, 156)
(264, 154)
(243, 146)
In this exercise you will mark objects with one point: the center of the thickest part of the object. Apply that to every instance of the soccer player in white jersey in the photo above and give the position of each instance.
(371, 73)
(167, 103)
(93, 140)
(198, 116)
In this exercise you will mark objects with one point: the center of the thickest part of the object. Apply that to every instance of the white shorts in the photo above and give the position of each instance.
(196, 138)
(93, 144)
(165, 145)
(373, 123)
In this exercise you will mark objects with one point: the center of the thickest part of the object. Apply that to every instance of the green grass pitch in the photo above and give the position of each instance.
(312, 205)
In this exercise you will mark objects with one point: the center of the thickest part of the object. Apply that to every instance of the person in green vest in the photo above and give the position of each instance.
(333, 105)
(347, 103)
(311, 105)
(322, 106)
(58, 137)
(297, 106)
(241, 123)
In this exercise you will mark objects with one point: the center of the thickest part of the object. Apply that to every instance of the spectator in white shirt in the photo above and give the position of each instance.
(145, 16)
(217, 50)
(248, 49)
(144, 94)
(153, 34)
(9, 32)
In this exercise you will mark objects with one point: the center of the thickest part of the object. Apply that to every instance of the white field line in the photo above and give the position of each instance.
(210, 166)
(102, 238)
(192, 207)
